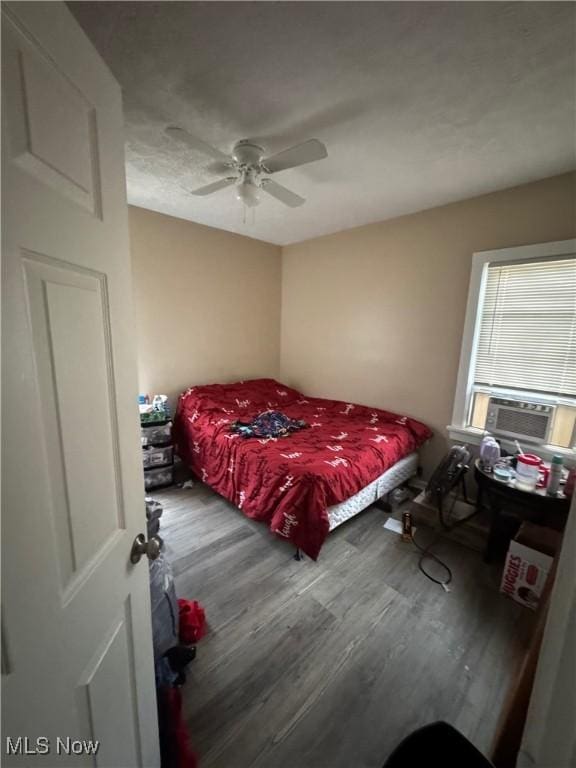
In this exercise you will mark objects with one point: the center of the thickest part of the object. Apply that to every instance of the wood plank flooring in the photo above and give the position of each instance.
(331, 664)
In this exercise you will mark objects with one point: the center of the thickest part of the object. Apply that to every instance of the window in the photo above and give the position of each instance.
(527, 327)
(520, 340)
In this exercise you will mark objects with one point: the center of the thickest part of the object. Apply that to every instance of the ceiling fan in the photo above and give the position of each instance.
(248, 168)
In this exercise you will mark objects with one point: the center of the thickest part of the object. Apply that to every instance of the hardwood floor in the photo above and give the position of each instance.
(331, 664)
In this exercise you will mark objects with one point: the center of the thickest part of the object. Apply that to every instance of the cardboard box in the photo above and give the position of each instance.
(528, 562)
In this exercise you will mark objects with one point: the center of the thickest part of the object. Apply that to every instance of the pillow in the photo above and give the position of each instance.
(255, 394)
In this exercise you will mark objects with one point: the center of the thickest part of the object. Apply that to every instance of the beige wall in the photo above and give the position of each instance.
(375, 314)
(207, 303)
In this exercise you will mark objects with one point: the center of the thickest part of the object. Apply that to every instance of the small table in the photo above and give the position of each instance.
(509, 506)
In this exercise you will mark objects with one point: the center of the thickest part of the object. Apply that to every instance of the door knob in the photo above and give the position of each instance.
(150, 548)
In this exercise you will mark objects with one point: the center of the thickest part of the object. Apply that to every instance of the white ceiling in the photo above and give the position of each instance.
(419, 104)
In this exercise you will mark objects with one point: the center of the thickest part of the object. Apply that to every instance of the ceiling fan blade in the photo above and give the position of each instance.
(281, 193)
(219, 167)
(214, 187)
(307, 152)
(191, 141)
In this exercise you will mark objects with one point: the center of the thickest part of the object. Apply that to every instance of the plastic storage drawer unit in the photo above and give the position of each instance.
(157, 457)
(156, 478)
(156, 435)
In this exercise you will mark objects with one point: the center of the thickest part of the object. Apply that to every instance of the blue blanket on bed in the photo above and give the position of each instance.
(268, 424)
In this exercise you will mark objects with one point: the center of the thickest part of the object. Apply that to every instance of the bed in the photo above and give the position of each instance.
(306, 484)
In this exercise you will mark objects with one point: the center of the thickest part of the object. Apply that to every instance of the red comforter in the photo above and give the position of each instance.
(289, 482)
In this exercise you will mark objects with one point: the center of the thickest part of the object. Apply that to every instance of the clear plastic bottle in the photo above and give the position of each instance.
(555, 476)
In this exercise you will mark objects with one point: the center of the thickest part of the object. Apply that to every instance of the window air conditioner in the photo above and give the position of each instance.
(520, 419)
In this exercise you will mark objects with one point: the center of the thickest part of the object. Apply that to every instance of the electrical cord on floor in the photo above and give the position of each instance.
(427, 554)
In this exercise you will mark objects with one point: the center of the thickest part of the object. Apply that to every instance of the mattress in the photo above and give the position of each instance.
(402, 471)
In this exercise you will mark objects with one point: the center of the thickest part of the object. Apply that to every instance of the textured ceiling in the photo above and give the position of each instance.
(419, 104)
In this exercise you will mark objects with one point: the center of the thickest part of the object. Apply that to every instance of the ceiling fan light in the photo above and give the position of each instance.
(248, 193)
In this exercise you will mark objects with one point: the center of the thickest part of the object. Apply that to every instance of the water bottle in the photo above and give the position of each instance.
(555, 476)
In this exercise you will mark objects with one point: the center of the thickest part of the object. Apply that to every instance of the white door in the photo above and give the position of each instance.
(77, 650)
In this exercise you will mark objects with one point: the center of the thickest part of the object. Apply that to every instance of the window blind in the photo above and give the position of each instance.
(527, 335)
